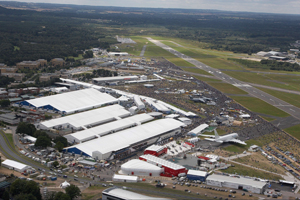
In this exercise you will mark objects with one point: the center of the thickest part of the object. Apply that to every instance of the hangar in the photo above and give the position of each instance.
(140, 168)
(88, 118)
(198, 130)
(237, 183)
(196, 175)
(156, 150)
(114, 79)
(170, 168)
(120, 194)
(123, 143)
(108, 128)
(71, 102)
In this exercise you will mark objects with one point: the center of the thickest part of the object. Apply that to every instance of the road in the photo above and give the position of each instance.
(143, 50)
(278, 103)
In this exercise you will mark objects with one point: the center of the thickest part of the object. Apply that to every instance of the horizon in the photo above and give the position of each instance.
(259, 6)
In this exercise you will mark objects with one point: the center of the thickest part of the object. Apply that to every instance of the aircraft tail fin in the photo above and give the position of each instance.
(216, 134)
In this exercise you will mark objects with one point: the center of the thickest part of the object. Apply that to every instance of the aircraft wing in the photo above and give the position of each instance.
(213, 140)
(237, 141)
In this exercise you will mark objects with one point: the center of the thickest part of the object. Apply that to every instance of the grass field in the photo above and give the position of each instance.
(259, 106)
(196, 70)
(208, 80)
(180, 62)
(227, 88)
(293, 99)
(10, 138)
(239, 148)
(274, 80)
(248, 171)
(294, 131)
(269, 119)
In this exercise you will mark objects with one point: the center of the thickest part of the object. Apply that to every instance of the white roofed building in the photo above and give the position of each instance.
(125, 178)
(156, 150)
(140, 168)
(114, 79)
(108, 128)
(198, 130)
(118, 193)
(170, 168)
(17, 166)
(123, 143)
(241, 183)
(89, 118)
(71, 102)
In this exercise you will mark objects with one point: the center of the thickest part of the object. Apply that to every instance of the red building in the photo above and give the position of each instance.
(171, 169)
(156, 150)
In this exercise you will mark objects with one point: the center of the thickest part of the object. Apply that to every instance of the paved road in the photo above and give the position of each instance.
(260, 72)
(282, 105)
(143, 50)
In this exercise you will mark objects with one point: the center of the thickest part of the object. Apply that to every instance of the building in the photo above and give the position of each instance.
(137, 100)
(16, 76)
(10, 118)
(85, 120)
(140, 168)
(17, 166)
(198, 130)
(32, 64)
(57, 62)
(124, 178)
(197, 175)
(71, 102)
(241, 183)
(108, 128)
(118, 54)
(121, 194)
(103, 80)
(185, 120)
(170, 169)
(156, 150)
(124, 143)
(8, 70)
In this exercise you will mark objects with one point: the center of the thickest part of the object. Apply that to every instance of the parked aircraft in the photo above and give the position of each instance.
(232, 137)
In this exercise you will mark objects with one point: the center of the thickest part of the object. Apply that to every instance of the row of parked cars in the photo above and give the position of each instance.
(284, 161)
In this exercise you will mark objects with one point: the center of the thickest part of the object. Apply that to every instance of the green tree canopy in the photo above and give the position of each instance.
(4, 103)
(73, 191)
(61, 139)
(59, 146)
(26, 189)
(61, 196)
(43, 141)
(26, 128)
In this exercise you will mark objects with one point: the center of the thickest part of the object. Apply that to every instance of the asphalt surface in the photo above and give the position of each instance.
(278, 103)
(143, 50)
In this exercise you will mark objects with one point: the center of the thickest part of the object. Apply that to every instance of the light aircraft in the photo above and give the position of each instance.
(226, 138)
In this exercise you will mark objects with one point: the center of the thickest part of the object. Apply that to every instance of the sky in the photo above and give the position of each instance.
(267, 6)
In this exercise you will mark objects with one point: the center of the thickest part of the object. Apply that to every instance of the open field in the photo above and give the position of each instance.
(196, 70)
(248, 171)
(293, 99)
(227, 88)
(180, 62)
(259, 106)
(239, 148)
(274, 80)
(208, 80)
(269, 119)
(294, 131)
(260, 161)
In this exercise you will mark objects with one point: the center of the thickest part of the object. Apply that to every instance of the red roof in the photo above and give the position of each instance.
(203, 157)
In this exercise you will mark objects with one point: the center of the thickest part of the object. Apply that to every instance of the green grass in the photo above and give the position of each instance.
(179, 62)
(76, 58)
(274, 80)
(294, 131)
(208, 80)
(259, 106)
(16, 48)
(248, 171)
(227, 88)
(293, 99)
(196, 70)
(239, 148)
(10, 138)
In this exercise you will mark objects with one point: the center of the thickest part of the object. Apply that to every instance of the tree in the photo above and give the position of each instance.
(59, 146)
(43, 141)
(25, 197)
(73, 191)
(55, 164)
(5, 195)
(88, 54)
(61, 139)
(26, 128)
(61, 196)
(4, 103)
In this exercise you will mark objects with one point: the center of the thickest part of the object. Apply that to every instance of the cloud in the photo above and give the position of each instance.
(268, 6)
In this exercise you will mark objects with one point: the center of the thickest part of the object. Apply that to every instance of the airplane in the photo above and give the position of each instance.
(226, 138)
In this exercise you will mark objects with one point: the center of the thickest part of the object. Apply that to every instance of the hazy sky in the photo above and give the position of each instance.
(269, 6)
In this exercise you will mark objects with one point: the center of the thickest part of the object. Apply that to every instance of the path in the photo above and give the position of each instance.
(143, 50)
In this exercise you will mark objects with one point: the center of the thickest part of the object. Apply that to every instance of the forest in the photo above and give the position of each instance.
(63, 30)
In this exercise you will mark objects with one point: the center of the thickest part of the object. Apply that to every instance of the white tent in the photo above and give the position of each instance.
(17, 166)
(140, 168)
(64, 185)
